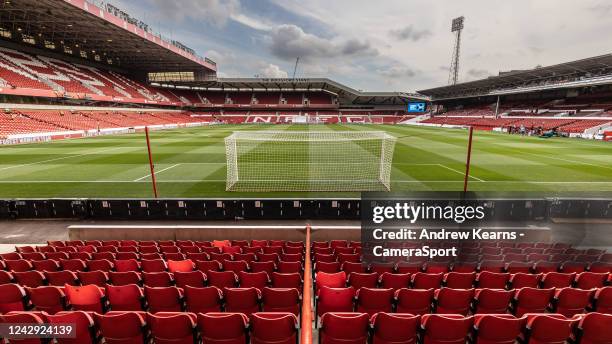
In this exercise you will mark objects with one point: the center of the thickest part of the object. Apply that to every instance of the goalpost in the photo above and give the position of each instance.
(309, 160)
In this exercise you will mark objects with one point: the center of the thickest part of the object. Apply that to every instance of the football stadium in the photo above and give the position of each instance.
(149, 194)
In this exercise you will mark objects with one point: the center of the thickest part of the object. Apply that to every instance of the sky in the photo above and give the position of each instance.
(383, 45)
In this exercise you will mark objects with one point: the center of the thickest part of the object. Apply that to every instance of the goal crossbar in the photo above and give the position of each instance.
(309, 160)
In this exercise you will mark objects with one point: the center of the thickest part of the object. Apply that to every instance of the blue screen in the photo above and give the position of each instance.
(416, 107)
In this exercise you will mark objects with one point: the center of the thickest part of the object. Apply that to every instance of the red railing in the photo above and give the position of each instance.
(306, 335)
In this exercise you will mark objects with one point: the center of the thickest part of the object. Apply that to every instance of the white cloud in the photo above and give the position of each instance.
(290, 41)
(272, 71)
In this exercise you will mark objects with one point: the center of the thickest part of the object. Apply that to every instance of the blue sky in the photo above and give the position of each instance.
(384, 45)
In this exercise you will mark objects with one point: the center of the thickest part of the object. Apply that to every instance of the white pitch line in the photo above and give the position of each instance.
(461, 173)
(568, 160)
(62, 158)
(223, 181)
(156, 172)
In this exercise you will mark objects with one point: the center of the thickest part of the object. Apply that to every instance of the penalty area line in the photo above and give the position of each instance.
(156, 173)
(461, 173)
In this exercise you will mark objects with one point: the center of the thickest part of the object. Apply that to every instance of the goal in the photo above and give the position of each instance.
(309, 160)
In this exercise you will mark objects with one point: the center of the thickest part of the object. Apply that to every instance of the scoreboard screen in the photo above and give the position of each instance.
(416, 107)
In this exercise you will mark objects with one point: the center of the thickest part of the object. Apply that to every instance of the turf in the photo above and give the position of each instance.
(191, 163)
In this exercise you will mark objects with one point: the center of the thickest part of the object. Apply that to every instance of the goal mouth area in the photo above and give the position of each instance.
(337, 161)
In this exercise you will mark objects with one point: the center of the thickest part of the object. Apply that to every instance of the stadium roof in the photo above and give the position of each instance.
(346, 94)
(82, 26)
(586, 72)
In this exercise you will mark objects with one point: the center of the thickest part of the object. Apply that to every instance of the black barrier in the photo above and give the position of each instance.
(533, 209)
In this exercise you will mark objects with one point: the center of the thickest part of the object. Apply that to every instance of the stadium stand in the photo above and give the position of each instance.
(177, 282)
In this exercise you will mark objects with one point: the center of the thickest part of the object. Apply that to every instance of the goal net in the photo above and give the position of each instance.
(309, 160)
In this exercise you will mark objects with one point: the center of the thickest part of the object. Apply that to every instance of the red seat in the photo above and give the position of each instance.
(332, 280)
(85, 298)
(61, 278)
(522, 280)
(99, 265)
(530, 300)
(281, 300)
(46, 265)
(24, 318)
(167, 299)
(590, 280)
(268, 257)
(5, 277)
(286, 280)
(394, 328)
(327, 267)
(222, 279)
(223, 328)
(242, 300)
(558, 279)
(157, 279)
(453, 301)
(153, 265)
(493, 280)
(362, 280)
(203, 299)
(273, 328)
(381, 268)
(208, 265)
(124, 278)
(289, 267)
(414, 301)
(121, 327)
(372, 301)
(235, 265)
(31, 279)
(257, 280)
(603, 300)
(125, 298)
(334, 300)
(492, 301)
(189, 278)
(421, 280)
(98, 278)
(445, 328)
(122, 265)
(180, 265)
(497, 329)
(344, 328)
(172, 328)
(47, 299)
(291, 257)
(18, 265)
(459, 280)
(83, 326)
(595, 329)
(572, 301)
(394, 281)
(267, 267)
(73, 264)
(549, 329)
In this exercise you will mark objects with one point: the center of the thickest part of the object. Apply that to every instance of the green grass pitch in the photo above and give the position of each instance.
(191, 163)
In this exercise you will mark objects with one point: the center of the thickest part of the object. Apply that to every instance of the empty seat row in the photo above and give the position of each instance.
(149, 250)
(566, 301)
(166, 327)
(352, 263)
(214, 243)
(385, 328)
(150, 265)
(161, 299)
(458, 280)
(196, 278)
